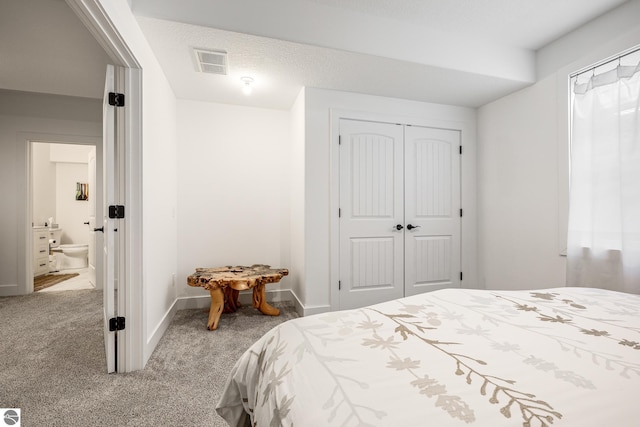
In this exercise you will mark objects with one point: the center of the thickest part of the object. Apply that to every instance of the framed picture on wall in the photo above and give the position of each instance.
(82, 191)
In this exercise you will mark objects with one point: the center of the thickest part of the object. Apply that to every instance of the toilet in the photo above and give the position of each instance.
(74, 256)
(68, 256)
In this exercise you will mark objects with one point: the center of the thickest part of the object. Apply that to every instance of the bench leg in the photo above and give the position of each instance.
(260, 302)
(231, 303)
(217, 305)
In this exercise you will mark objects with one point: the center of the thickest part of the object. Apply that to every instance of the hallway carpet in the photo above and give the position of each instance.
(52, 364)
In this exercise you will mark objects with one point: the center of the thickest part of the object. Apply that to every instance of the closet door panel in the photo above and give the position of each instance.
(371, 207)
(432, 209)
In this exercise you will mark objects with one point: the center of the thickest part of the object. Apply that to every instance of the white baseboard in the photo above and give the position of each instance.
(10, 290)
(245, 297)
(190, 303)
(278, 295)
(297, 304)
(158, 332)
(316, 309)
(308, 310)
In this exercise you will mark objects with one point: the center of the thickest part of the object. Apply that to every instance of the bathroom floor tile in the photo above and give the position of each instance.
(75, 283)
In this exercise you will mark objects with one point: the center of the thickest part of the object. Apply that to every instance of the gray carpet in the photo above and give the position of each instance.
(52, 364)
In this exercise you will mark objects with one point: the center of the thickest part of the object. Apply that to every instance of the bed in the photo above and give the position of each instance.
(454, 357)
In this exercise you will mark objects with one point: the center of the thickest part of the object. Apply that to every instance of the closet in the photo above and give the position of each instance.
(399, 214)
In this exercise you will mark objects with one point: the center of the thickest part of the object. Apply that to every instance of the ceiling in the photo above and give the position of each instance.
(45, 48)
(462, 52)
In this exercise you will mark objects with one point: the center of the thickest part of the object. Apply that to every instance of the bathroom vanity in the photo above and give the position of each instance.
(40, 251)
(42, 236)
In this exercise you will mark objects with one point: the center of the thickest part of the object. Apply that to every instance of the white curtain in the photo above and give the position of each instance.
(603, 247)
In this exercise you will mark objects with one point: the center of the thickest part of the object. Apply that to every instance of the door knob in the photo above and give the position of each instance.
(411, 227)
(101, 229)
(399, 227)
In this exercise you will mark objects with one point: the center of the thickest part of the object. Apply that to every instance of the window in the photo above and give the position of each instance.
(603, 242)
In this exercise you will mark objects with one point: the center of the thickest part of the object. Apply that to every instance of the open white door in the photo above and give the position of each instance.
(108, 194)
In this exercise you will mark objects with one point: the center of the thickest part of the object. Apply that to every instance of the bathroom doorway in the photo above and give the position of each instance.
(65, 194)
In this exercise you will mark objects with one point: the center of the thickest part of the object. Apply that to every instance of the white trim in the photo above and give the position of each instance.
(297, 304)
(204, 302)
(158, 332)
(96, 19)
(134, 304)
(468, 229)
(315, 309)
(24, 141)
(192, 303)
(245, 298)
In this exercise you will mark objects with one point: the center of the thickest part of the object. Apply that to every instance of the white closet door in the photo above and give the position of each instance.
(432, 209)
(371, 204)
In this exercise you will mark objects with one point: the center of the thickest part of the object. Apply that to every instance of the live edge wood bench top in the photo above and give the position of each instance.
(238, 278)
(224, 283)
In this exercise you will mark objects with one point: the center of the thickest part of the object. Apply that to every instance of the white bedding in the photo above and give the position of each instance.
(561, 357)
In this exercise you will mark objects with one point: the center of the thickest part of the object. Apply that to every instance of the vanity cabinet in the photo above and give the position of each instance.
(40, 252)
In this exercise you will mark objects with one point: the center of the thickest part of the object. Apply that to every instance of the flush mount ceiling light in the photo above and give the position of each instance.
(246, 89)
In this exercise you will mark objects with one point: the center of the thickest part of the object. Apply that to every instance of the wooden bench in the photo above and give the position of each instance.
(225, 283)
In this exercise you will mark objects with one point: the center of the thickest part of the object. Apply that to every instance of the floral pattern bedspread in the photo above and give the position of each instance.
(454, 357)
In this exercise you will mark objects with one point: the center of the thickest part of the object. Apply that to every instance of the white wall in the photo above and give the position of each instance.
(54, 117)
(518, 190)
(159, 201)
(69, 153)
(523, 160)
(70, 214)
(297, 199)
(233, 189)
(319, 281)
(43, 183)
(56, 168)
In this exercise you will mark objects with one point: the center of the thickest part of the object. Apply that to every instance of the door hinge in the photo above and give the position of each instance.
(116, 99)
(116, 324)
(116, 211)
(460, 213)
(461, 149)
(339, 139)
(339, 213)
(339, 285)
(461, 276)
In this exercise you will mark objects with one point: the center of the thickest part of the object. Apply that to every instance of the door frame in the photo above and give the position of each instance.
(468, 227)
(130, 302)
(25, 142)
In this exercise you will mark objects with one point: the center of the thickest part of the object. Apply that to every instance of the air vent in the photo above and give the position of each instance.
(211, 61)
